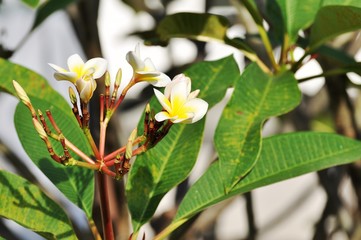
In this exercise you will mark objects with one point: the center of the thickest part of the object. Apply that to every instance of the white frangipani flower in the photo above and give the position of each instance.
(81, 74)
(145, 70)
(179, 103)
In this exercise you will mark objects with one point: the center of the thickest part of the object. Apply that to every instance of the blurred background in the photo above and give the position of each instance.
(291, 209)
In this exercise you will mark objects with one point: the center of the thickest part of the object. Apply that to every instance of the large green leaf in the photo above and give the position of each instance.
(33, 83)
(198, 26)
(163, 167)
(300, 14)
(27, 205)
(282, 157)
(31, 3)
(256, 97)
(332, 21)
(76, 183)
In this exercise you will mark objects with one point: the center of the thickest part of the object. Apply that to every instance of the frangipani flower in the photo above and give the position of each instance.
(145, 70)
(81, 74)
(179, 103)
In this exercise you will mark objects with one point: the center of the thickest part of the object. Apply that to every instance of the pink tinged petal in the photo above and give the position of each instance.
(57, 68)
(148, 65)
(162, 116)
(198, 107)
(75, 64)
(68, 76)
(99, 66)
(136, 63)
(162, 100)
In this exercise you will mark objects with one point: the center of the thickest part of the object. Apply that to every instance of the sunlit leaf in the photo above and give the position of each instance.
(332, 21)
(256, 97)
(31, 3)
(27, 205)
(282, 157)
(169, 163)
(75, 182)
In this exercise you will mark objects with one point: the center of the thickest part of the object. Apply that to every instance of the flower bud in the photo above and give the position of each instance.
(72, 96)
(21, 93)
(129, 147)
(118, 77)
(107, 79)
(40, 129)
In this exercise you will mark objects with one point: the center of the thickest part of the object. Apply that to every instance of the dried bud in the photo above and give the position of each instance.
(118, 77)
(129, 147)
(72, 96)
(107, 79)
(21, 93)
(39, 129)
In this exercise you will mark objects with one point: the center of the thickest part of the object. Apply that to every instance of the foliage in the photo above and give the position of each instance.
(167, 152)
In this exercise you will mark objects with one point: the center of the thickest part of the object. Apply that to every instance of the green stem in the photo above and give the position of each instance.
(262, 31)
(333, 72)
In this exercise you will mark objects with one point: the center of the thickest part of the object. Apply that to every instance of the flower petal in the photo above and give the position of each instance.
(135, 61)
(161, 81)
(148, 65)
(162, 100)
(57, 68)
(75, 64)
(98, 64)
(178, 95)
(178, 78)
(68, 76)
(193, 94)
(87, 90)
(196, 106)
(161, 116)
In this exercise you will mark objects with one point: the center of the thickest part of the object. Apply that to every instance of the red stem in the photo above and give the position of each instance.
(105, 207)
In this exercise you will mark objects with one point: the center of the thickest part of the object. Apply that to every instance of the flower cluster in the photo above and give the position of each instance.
(180, 105)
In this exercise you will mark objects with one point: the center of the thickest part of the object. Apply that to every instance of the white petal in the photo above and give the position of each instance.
(193, 94)
(149, 66)
(137, 50)
(68, 76)
(178, 95)
(178, 78)
(161, 116)
(161, 81)
(75, 64)
(57, 68)
(162, 100)
(87, 91)
(197, 106)
(98, 64)
(136, 63)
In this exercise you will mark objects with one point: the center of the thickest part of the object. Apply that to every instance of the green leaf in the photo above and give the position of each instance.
(256, 97)
(298, 15)
(27, 205)
(332, 21)
(76, 183)
(31, 3)
(33, 83)
(158, 170)
(282, 157)
(47, 8)
(198, 26)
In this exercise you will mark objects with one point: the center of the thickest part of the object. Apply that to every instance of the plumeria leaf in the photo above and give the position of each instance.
(197, 26)
(31, 3)
(300, 14)
(76, 183)
(169, 163)
(282, 157)
(256, 97)
(33, 83)
(24, 203)
(332, 21)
